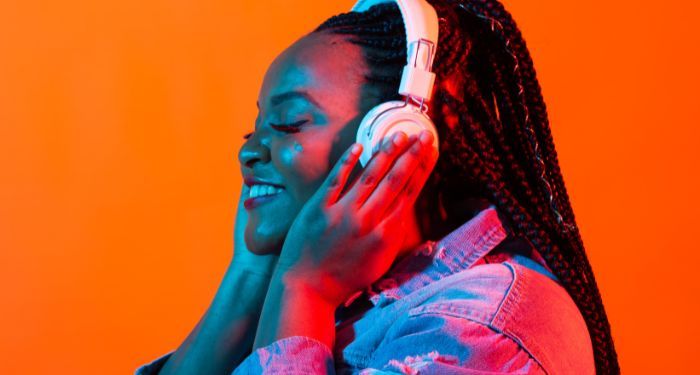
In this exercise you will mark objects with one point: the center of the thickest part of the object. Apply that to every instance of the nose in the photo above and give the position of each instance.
(255, 149)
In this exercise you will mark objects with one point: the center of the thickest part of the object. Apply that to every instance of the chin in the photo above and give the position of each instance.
(263, 243)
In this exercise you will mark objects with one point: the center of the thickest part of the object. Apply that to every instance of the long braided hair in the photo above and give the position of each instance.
(502, 149)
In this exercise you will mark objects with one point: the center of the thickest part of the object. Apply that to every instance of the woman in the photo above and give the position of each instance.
(465, 263)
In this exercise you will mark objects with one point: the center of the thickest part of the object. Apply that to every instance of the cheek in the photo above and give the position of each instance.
(289, 155)
(305, 164)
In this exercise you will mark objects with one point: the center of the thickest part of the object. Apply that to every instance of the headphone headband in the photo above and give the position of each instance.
(421, 23)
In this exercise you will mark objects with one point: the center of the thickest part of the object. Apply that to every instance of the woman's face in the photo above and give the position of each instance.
(309, 108)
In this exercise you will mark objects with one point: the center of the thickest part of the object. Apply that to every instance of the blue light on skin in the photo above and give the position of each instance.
(318, 83)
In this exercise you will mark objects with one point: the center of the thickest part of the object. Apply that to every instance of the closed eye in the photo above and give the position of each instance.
(294, 127)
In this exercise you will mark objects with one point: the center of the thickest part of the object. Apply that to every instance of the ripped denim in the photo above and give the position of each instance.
(478, 301)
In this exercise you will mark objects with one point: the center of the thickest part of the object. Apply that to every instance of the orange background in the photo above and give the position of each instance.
(119, 127)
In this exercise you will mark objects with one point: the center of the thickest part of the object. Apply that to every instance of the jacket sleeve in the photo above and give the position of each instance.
(153, 368)
(425, 343)
(422, 344)
(444, 343)
(291, 355)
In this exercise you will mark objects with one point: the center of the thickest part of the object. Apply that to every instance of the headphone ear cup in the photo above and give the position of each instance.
(367, 134)
(385, 120)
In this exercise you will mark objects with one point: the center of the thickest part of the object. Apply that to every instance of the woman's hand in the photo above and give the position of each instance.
(341, 242)
(225, 334)
(243, 259)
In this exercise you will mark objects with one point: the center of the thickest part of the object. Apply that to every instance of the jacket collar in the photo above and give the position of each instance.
(434, 260)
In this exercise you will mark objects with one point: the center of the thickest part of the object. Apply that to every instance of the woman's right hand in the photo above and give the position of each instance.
(244, 260)
(224, 336)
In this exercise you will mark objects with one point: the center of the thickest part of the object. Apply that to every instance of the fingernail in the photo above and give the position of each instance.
(426, 137)
(399, 138)
(356, 149)
(415, 148)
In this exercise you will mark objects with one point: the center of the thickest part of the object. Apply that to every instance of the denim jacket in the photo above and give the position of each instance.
(478, 301)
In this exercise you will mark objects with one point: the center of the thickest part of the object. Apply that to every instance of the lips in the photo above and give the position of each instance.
(251, 180)
(251, 203)
(260, 191)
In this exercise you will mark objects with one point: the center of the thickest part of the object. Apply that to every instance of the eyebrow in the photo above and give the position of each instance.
(290, 95)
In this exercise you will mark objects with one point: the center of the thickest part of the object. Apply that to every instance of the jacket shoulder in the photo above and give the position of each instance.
(540, 314)
(525, 305)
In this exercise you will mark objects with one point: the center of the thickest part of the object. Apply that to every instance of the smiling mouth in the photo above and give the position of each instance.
(260, 194)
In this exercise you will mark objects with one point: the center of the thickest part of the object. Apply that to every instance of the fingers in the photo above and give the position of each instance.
(375, 170)
(420, 176)
(334, 183)
(402, 184)
(394, 180)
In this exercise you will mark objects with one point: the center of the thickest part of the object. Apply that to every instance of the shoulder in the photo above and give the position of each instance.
(513, 305)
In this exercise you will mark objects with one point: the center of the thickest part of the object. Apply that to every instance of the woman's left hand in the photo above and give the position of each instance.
(343, 241)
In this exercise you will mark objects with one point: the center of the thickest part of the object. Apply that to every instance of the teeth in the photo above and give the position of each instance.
(262, 190)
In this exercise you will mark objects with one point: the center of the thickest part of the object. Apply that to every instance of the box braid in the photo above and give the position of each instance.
(502, 151)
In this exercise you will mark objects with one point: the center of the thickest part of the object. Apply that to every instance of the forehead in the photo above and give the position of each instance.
(325, 66)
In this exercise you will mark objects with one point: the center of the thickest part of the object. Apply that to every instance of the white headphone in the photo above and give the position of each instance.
(409, 116)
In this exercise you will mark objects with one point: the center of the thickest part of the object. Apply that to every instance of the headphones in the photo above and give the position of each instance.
(409, 116)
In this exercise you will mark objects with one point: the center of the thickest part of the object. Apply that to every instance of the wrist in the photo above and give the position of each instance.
(258, 268)
(300, 285)
(244, 290)
(293, 308)
(312, 285)
(251, 273)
